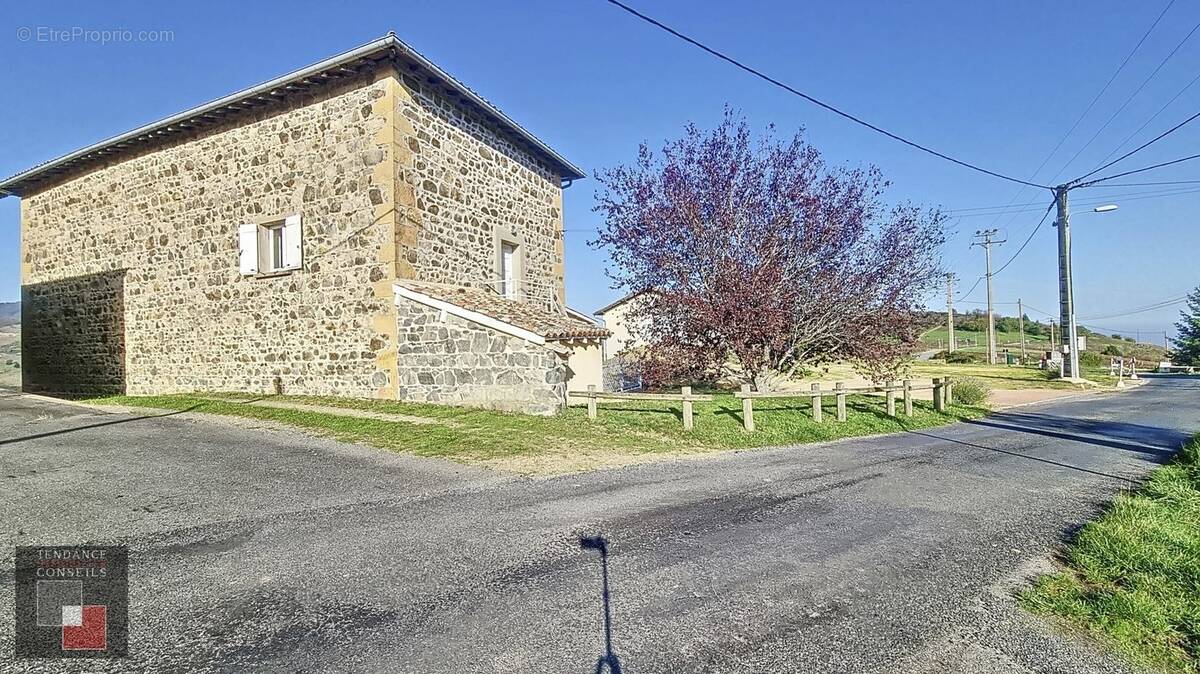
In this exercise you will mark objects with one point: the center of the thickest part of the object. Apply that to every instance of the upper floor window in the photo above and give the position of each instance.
(508, 274)
(270, 247)
(509, 269)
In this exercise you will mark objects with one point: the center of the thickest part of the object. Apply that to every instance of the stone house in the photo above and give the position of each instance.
(366, 226)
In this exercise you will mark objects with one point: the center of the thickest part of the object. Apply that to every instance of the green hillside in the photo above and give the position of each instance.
(975, 341)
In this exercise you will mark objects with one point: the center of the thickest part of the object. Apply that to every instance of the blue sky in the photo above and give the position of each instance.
(997, 84)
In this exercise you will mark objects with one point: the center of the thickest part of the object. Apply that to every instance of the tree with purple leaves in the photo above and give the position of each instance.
(756, 259)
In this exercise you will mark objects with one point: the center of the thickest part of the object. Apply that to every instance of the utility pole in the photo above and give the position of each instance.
(950, 312)
(1021, 327)
(1052, 340)
(1066, 294)
(986, 241)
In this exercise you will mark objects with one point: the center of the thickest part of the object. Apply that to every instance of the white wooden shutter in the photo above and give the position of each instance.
(292, 245)
(248, 249)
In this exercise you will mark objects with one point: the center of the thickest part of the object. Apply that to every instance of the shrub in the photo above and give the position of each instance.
(960, 357)
(1090, 359)
(1111, 350)
(970, 391)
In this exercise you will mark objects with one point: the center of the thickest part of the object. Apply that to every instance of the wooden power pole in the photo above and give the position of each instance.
(986, 242)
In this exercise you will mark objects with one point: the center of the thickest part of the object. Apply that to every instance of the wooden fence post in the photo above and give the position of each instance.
(591, 401)
(890, 396)
(816, 402)
(687, 407)
(948, 389)
(747, 408)
(841, 400)
(939, 399)
(908, 397)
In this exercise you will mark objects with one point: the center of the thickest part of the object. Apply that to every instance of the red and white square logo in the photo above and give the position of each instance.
(85, 628)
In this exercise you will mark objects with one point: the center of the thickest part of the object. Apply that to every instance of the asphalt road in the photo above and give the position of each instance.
(265, 550)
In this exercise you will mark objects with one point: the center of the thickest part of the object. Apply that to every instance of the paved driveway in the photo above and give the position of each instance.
(260, 549)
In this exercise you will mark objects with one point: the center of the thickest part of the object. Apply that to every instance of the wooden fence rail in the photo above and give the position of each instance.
(684, 396)
(941, 388)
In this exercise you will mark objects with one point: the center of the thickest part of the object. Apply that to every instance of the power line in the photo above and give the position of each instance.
(1027, 240)
(968, 293)
(1146, 123)
(1097, 200)
(1131, 96)
(815, 101)
(1160, 305)
(1141, 170)
(1089, 107)
(1164, 182)
(1044, 313)
(1139, 148)
(1024, 207)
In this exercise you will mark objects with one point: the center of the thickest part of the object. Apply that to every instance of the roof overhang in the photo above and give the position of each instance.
(347, 64)
(473, 316)
(617, 303)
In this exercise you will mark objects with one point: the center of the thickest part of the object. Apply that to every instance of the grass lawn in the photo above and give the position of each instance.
(1005, 376)
(1133, 576)
(625, 432)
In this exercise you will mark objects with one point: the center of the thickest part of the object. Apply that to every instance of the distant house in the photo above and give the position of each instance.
(621, 326)
(619, 348)
(365, 226)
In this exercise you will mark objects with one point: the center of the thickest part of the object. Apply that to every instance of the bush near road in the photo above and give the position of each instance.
(1132, 577)
(970, 391)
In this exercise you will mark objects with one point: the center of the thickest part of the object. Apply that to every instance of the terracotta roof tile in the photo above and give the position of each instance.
(550, 325)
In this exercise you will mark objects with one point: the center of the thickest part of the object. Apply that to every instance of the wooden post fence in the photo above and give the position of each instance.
(840, 388)
(948, 389)
(816, 402)
(747, 408)
(908, 397)
(939, 399)
(685, 396)
(890, 396)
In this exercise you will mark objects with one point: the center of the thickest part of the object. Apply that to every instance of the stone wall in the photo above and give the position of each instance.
(169, 219)
(73, 339)
(470, 183)
(456, 361)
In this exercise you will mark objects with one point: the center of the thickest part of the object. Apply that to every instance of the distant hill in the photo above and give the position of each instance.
(10, 313)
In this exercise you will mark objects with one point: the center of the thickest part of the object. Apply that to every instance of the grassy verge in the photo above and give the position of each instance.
(568, 442)
(1133, 576)
(1006, 376)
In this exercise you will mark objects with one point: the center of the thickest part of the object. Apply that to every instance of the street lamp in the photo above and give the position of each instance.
(1066, 294)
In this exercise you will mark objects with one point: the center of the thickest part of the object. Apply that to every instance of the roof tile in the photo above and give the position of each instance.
(550, 325)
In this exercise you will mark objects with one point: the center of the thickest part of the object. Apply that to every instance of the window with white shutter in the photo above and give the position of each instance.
(271, 247)
(292, 248)
(248, 249)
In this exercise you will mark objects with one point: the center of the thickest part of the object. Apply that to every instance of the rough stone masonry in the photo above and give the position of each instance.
(130, 267)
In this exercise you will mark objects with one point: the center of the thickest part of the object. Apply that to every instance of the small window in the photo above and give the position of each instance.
(274, 236)
(271, 247)
(508, 274)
